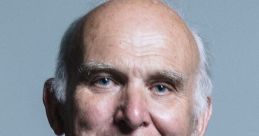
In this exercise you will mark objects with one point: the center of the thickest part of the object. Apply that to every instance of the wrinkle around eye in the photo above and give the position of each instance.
(161, 89)
(103, 84)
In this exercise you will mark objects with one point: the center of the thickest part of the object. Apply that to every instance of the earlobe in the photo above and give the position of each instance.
(204, 118)
(53, 108)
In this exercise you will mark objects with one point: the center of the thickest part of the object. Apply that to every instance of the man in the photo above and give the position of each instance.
(129, 67)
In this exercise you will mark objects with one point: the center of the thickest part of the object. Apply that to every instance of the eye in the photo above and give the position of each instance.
(103, 82)
(161, 88)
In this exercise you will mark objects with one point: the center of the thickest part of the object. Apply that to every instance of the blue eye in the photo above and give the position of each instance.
(160, 89)
(103, 81)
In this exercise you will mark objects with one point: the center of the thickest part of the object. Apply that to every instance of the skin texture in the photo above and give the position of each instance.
(137, 76)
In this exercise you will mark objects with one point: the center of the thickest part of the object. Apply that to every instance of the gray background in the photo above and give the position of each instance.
(30, 32)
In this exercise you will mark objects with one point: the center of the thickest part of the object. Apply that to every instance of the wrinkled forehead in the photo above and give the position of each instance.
(138, 23)
(135, 16)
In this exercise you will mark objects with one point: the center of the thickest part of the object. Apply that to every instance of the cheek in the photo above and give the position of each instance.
(92, 111)
(175, 119)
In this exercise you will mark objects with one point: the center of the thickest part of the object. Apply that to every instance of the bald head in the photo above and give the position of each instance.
(140, 21)
(132, 67)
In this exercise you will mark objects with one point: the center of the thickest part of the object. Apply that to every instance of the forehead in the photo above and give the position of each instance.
(134, 30)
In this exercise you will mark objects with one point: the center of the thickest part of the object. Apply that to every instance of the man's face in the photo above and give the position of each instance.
(137, 77)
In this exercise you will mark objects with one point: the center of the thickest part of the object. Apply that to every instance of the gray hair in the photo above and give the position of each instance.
(203, 86)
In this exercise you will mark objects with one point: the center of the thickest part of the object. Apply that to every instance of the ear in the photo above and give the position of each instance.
(204, 118)
(53, 108)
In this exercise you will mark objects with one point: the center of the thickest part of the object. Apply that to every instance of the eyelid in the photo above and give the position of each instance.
(86, 70)
(96, 84)
(87, 75)
(168, 86)
(98, 77)
(171, 87)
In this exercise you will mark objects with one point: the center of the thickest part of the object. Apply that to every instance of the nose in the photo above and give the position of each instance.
(133, 112)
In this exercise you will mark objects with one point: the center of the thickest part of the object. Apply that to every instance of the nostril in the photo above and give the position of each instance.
(124, 127)
(121, 122)
(131, 114)
(144, 124)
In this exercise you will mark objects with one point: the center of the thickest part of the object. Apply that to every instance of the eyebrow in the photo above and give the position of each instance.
(171, 76)
(93, 67)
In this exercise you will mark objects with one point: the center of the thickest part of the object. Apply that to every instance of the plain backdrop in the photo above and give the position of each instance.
(30, 34)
